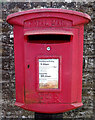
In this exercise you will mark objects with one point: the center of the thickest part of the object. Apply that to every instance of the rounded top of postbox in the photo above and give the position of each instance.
(76, 18)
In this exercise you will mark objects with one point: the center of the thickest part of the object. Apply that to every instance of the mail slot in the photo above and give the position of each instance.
(49, 38)
(48, 48)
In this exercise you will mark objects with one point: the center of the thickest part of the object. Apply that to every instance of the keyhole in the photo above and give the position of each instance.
(28, 66)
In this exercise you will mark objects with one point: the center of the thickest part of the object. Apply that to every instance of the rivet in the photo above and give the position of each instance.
(48, 48)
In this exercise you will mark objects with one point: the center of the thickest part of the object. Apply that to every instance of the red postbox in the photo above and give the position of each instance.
(48, 48)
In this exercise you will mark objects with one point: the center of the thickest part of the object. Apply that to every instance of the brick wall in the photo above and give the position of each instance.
(8, 72)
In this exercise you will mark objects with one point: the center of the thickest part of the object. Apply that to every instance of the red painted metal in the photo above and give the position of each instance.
(68, 51)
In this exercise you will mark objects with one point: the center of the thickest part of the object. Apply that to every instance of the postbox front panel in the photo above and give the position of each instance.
(48, 68)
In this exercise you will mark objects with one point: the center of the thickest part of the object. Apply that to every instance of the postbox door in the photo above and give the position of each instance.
(48, 68)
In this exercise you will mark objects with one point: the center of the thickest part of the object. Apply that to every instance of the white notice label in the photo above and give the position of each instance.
(48, 73)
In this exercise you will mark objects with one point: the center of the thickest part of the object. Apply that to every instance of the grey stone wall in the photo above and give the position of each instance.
(8, 73)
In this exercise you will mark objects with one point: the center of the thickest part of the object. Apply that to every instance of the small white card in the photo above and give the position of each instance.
(48, 73)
